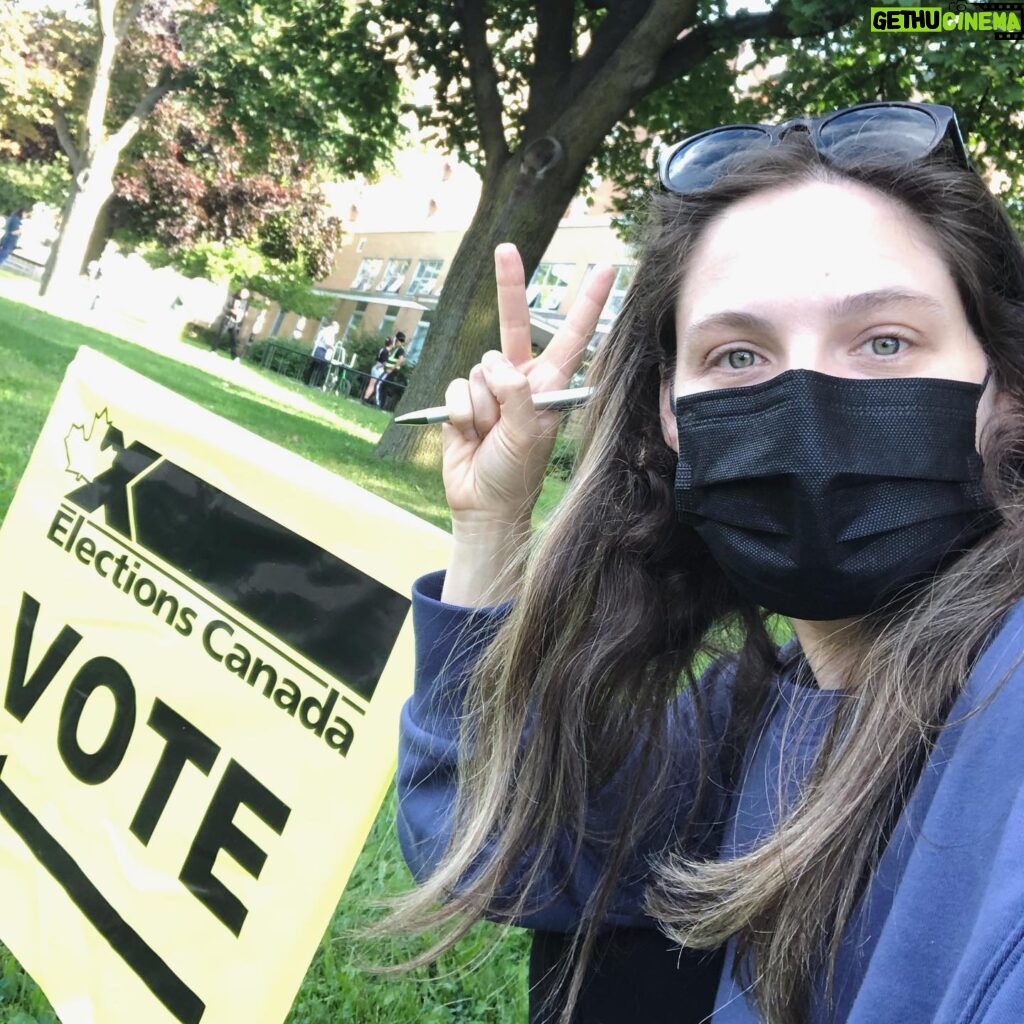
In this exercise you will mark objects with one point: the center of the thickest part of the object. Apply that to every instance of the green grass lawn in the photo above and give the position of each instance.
(35, 349)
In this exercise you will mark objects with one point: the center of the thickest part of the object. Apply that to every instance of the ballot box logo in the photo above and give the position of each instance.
(255, 592)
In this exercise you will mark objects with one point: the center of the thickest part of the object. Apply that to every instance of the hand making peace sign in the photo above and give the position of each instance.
(496, 445)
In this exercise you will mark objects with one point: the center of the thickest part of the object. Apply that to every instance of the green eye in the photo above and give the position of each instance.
(886, 346)
(740, 359)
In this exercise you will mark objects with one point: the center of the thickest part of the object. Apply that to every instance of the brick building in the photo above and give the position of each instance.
(401, 234)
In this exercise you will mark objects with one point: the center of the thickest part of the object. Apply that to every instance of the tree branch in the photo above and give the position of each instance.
(125, 22)
(621, 19)
(105, 17)
(617, 70)
(552, 56)
(60, 122)
(483, 82)
(698, 45)
(168, 82)
(96, 110)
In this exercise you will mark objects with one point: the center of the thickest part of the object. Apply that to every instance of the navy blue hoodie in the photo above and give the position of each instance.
(939, 934)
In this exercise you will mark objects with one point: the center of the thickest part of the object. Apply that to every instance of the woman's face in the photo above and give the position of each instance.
(828, 277)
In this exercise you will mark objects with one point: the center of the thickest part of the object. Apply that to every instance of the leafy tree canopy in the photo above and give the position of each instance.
(295, 72)
(823, 54)
(242, 107)
(39, 66)
(186, 188)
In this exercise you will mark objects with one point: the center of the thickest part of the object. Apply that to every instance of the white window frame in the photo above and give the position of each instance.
(424, 281)
(620, 286)
(415, 346)
(549, 285)
(394, 275)
(367, 274)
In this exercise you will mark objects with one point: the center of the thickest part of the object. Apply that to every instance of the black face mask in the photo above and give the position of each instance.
(822, 497)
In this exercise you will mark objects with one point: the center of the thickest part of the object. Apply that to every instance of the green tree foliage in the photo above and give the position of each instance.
(281, 73)
(538, 97)
(39, 64)
(188, 189)
(977, 75)
(27, 182)
(306, 73)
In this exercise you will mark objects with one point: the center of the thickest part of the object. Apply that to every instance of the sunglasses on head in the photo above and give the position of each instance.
(889, 133)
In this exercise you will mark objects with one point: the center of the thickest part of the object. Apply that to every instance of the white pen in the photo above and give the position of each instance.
(570, 399)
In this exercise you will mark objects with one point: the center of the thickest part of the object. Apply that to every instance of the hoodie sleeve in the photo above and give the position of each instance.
(448, 642)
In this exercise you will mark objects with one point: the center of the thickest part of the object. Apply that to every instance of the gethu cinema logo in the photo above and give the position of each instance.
(1001, 18)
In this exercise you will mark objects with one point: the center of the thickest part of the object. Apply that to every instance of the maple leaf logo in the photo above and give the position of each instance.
(86, 459)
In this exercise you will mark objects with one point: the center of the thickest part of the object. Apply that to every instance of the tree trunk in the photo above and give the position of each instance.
(517, 206)
(81, 211)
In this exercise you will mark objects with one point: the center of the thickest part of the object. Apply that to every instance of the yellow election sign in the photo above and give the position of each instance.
(206, 642)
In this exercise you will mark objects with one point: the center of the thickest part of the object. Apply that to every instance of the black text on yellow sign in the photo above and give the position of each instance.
(185, 745)
(125, 571)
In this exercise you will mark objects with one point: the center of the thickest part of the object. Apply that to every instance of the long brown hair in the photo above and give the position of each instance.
(619, 606)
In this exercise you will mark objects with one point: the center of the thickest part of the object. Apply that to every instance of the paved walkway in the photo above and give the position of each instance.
(150, 336)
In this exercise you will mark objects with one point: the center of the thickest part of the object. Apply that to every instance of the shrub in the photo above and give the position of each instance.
(25, 183)
(259, 347)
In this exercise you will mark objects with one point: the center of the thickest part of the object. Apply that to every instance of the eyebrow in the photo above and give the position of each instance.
(849, 305)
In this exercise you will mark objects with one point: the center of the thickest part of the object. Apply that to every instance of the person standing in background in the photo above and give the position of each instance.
(386, 397)
(378, 370)
(323, 352)
(12, 233)
(233, 316)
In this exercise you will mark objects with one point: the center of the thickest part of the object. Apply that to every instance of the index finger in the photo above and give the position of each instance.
(513, 312)
(565, 349)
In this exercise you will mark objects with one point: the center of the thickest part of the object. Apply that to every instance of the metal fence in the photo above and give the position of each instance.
(338, 380)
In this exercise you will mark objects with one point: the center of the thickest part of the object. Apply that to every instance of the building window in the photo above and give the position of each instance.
(623, 279)
(355, 319)
(549, 285)
(424, 281)
(369, 271)
(387, 325)
(394, 275)
(300, 326)
(278, 320)
(415, 347)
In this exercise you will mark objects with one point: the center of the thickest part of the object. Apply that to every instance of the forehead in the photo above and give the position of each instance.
(814, 242)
